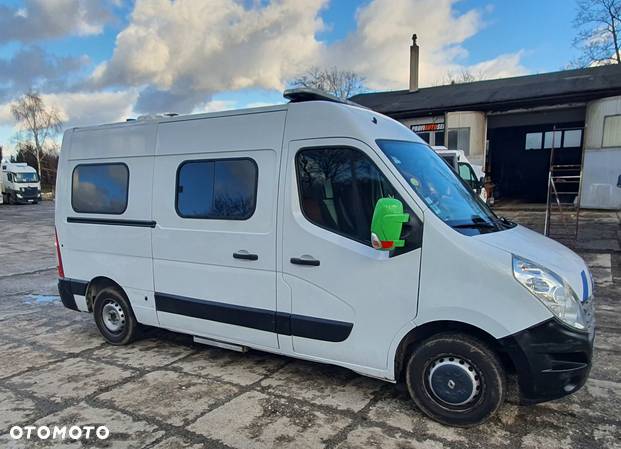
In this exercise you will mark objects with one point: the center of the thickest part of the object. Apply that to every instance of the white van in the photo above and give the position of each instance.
(19, 183)
(324, 231)
(472, 174)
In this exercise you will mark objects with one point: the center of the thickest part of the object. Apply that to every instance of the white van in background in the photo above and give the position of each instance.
(324, 231)
(19, 183)
(472, 174)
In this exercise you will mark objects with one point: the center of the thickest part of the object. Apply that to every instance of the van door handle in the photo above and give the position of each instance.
(245, 255)
(305, 260)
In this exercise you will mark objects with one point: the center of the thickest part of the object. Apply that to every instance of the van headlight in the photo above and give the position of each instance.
(552, 290)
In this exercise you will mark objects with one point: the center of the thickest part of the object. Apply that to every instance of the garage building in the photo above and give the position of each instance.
(508, 125)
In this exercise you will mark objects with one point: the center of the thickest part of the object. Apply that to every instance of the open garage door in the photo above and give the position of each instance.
(519, 152)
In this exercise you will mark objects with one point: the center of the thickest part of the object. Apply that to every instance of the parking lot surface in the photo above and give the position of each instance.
(164, 391)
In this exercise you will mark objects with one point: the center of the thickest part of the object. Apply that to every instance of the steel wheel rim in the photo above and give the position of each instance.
(113, 316)
(454, 382)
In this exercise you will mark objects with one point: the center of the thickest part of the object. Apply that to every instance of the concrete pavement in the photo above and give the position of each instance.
(166, 392)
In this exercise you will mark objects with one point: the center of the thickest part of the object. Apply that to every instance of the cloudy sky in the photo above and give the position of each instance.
(105, 60)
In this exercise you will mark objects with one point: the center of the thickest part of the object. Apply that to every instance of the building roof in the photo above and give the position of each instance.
(562, 87)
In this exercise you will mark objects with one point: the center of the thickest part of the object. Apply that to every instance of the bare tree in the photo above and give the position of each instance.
(341, 83)
(599, 24)
(26, 152)
(37, 121)
(461, 76)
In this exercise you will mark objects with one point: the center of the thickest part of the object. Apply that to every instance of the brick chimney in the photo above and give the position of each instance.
(414, 50)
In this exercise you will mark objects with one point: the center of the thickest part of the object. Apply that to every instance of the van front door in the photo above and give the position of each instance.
(347, 300)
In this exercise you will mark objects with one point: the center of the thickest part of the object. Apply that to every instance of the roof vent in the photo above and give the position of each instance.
(302, 94)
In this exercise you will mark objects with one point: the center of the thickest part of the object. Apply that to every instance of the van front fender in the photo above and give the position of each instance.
(441, 320)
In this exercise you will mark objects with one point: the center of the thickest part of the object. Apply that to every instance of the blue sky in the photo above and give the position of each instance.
(113, 58)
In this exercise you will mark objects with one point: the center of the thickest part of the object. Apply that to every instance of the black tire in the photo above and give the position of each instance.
(474, 376)
(114, 317)
(11, 200)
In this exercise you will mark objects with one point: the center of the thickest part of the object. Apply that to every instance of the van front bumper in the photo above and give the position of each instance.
(551, 360)
(27, 197)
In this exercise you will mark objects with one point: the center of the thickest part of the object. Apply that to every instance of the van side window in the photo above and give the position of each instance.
(224, 189)
(100, 188)
(339, 188)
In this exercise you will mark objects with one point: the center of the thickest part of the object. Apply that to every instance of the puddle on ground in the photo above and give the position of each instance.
(41, 299)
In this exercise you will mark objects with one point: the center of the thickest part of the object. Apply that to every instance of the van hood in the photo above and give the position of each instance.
(546, 252)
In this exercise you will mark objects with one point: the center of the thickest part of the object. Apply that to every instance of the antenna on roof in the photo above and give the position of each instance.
(302, 94)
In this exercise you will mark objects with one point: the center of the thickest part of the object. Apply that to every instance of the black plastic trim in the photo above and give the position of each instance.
(309, 262)
(65, 290)
(113, 222)
(551, 360)
(78, 287)
(245, 256)
(255, 318)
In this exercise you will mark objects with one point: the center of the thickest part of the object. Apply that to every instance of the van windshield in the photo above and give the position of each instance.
(25, 177)
(441, 188)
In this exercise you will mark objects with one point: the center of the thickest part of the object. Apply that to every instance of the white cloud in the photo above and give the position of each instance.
(83, 108)
(501, 67)
(215, 106)
(379, 47)
(174, 55)
(89, 108)
(187, 50)
(42, 19)
(6, 117)
(180, 53)
(75, 109)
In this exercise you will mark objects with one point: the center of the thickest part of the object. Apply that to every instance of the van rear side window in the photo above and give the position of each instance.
(100, 188)
(222, 189)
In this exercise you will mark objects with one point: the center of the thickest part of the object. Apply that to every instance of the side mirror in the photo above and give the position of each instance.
(387, 223)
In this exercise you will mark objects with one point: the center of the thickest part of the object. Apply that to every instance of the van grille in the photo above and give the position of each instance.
(30, 192)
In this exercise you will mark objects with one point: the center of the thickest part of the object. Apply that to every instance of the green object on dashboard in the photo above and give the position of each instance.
(387, 223)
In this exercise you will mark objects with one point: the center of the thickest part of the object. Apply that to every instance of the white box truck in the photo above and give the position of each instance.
(325, 231)
(19, 183)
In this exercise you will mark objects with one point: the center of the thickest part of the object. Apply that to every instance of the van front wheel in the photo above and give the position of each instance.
(456, 379)
(114, 317)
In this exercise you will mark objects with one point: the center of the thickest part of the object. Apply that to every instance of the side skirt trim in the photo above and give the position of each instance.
(113, 222)
(254, 318)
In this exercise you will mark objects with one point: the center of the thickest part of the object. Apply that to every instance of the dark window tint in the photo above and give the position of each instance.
(218, 189)
(100, 188)
(439, 138)
(339, 188)
(424, 136)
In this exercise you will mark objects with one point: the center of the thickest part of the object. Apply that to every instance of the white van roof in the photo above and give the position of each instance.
(309, 115)
(297, 95)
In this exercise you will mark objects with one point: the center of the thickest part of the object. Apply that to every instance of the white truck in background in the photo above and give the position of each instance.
(19, 183)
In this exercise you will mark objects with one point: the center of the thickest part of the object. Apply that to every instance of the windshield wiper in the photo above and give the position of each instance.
(476, 225)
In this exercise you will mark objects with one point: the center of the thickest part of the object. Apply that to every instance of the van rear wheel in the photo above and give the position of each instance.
(456, 379)
(114, 317)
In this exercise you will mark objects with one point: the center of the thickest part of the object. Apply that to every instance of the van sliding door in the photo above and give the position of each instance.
(214, 247)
